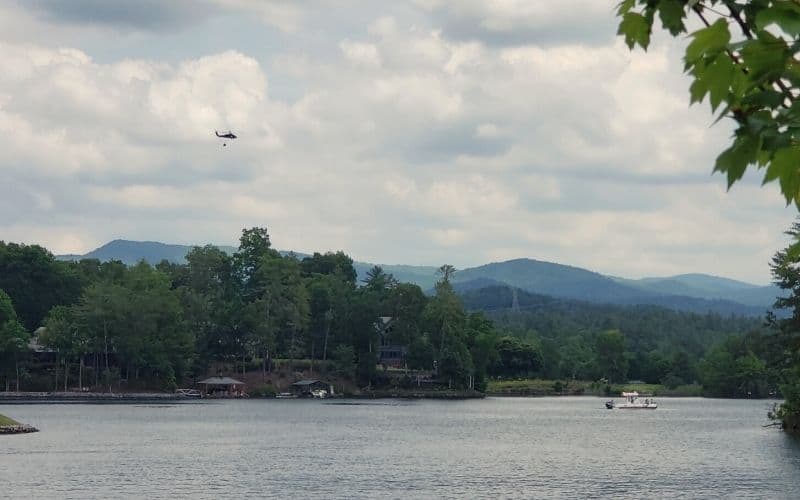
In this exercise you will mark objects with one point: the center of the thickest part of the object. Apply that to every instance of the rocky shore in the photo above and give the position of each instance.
(17, 429)
(10, 426)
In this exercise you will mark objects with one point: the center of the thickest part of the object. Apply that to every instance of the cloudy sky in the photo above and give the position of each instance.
(412, 131)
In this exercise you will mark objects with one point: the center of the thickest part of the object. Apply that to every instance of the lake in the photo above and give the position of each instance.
(568, 447)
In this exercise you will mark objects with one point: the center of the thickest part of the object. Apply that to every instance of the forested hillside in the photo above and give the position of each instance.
(657, 344)
(159, 326)
(694, 292)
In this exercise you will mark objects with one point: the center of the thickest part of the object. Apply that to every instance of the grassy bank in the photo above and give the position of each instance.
(7, 421)
(541, 387)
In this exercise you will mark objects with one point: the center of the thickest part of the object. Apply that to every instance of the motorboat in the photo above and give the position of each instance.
(634, 402)
(319, 394)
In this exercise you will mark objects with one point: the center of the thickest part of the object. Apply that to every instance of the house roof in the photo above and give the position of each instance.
(220, 381)
(306, 382)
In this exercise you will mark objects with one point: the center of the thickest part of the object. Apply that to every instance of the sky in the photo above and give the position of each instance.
(414, 131)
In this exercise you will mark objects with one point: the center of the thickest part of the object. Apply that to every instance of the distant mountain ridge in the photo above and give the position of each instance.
(131, 252)
(153, 252)
(686, 292)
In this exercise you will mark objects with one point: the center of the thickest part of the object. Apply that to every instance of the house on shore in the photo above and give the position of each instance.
(390, 354)
(225, 387)
(304, 388)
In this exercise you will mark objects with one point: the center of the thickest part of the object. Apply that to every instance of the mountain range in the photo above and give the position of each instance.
(686, 292)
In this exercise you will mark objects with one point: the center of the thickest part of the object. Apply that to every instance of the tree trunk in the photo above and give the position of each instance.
(80, 375)
(325, 342)
(291, 351)
(16, 367)
(55, 372)
(441, 341)
(105, 340)
(312, 357)
(66, 373)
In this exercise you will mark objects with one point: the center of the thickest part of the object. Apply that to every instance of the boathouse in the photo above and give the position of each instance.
(222, 387)
(304, 387)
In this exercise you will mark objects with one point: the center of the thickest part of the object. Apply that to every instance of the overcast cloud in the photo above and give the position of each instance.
(418, 132)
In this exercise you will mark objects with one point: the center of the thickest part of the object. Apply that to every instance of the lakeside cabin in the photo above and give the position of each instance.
(390, 354)
(225, 387)
(304, 388)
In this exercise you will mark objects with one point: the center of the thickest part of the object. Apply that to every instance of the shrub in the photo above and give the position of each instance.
(263, 391)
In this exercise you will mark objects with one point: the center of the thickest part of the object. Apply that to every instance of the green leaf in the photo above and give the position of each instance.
(708, 41)
(719, 76)
(784, 14)
(624, 6)
(785, 166)
(767, 98)
(671, 14)
(697, 90)
(734, 160)
(765, 57)
(636, 30)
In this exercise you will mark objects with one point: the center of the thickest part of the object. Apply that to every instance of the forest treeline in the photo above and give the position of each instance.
(163, 325)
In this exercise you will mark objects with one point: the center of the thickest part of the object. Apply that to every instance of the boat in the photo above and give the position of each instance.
(634, 402)
(319, 393)
(286, 395)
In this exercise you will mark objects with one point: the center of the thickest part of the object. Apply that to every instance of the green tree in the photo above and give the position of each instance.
(483, 348)
(611, 356)
(36, 282)
(254, 247)
(732, 370)
(444, 313)
(13, 338)
(211, 303)
(337, 264)
(406, 304)
(786, 274)
(379, 281)
(63, 334)
(516, 358)
(577, 359)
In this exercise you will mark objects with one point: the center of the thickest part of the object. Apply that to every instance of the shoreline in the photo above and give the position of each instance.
(106, 398)
(85, 397)
(11, 426)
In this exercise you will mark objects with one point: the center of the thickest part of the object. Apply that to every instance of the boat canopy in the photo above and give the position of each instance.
(630, 394)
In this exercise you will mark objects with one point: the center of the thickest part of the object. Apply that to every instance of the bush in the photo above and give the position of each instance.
(263, 391)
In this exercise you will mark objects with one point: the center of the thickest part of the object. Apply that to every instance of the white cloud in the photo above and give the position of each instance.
(361, 53)
(405, 141)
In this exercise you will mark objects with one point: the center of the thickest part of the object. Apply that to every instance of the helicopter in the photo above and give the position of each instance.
(226, 135)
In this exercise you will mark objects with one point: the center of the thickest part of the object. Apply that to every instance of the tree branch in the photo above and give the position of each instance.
(736, 15)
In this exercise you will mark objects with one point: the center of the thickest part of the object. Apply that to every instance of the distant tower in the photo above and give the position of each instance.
(514, 299)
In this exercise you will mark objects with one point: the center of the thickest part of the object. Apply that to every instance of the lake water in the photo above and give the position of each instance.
(497, 447)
